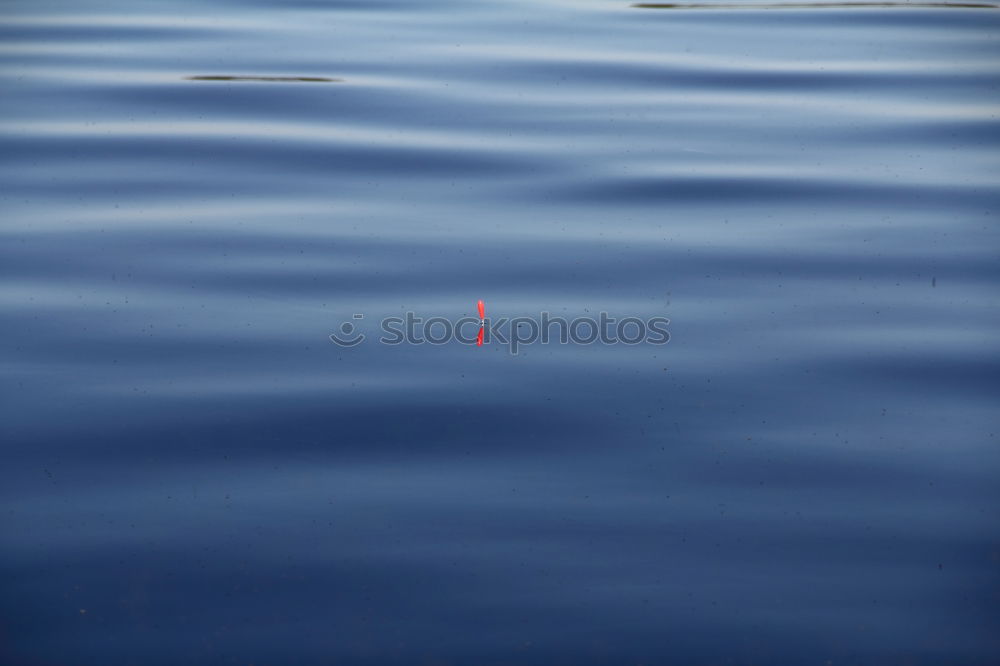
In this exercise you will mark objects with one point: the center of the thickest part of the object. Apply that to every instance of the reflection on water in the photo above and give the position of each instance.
(814, 5)
(193, 473)
(307, 79)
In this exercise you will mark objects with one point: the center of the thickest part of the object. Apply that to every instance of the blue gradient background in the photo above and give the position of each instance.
(192, 473)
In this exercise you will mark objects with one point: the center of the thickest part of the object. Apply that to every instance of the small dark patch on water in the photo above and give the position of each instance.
(302, 79)
(816, 5)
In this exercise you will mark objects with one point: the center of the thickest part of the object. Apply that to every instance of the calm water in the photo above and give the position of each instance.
(193, 473)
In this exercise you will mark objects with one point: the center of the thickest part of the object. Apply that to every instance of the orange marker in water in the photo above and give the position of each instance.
(482, 323)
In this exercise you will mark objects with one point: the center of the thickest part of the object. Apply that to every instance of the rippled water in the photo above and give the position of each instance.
(196, 194)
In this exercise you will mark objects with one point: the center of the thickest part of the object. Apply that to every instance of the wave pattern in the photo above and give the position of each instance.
(193, 473)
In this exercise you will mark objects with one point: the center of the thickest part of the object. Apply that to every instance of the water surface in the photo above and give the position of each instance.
(196, 194)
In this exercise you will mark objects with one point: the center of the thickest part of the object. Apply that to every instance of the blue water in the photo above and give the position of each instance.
(193, 473)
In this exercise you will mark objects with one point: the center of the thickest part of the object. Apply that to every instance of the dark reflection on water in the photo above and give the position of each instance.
(193, 473)
(815, 5)
(272, 79)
